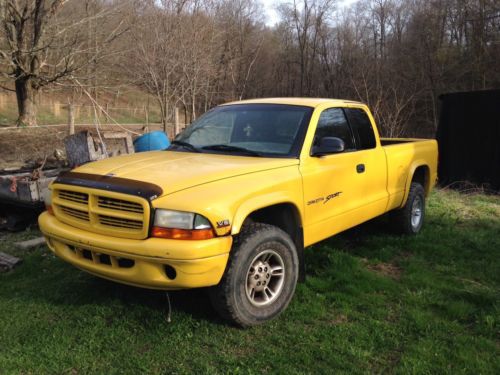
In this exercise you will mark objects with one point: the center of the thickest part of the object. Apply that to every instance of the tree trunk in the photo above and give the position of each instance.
(163, 114)
(193, 108)
(25, 94)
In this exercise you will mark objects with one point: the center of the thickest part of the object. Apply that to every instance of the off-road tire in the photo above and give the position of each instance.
(402, 218)
(229, 298)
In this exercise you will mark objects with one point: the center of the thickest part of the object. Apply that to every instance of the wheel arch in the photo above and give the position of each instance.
(419, 172)
(282, 214)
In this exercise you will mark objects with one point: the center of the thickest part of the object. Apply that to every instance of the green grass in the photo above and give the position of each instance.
(373, 302)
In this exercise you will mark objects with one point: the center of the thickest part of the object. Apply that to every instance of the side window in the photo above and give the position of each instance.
(362, 128)
(333, 123)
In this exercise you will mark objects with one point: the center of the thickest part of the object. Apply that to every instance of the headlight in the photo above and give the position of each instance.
(181, 225)
(174, 219)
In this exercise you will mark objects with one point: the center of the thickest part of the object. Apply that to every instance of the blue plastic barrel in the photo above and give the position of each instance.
(156, 140)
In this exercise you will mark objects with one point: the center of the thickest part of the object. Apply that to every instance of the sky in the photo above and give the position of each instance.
(272, 15)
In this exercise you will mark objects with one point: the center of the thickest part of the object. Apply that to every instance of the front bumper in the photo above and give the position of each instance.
(153, 263)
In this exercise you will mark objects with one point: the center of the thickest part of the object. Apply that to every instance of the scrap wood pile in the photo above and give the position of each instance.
(22, 189)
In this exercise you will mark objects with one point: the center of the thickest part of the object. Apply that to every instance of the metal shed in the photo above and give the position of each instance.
(469, 138)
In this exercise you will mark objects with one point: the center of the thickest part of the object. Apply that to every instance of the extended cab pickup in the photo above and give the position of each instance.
(236, 198)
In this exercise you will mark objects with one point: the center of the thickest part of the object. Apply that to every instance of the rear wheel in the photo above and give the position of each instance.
(260, 278)
(410, 218)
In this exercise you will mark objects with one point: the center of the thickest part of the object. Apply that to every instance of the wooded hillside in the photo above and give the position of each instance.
(396, 55)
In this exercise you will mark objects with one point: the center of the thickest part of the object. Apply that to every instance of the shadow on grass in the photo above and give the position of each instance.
(380, 226)
(193, 302)
(349, 242)
(50, 281)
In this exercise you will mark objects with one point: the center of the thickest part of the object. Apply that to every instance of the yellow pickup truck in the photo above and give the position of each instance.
(236, 198)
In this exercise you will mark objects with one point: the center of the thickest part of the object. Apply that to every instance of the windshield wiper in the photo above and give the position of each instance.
(232, 148)
(186, 145)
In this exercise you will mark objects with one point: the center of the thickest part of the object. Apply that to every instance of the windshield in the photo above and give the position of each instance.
(247, 129)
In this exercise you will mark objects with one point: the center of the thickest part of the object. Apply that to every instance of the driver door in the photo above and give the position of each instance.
(330, 181)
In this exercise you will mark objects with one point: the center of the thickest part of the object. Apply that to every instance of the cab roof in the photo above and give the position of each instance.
(308, 102)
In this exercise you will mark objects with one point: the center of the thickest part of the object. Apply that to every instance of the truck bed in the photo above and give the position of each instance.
(403, 156)
(396, 141)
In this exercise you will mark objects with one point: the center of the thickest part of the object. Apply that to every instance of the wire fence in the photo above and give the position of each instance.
(141, 124)
(55, 113)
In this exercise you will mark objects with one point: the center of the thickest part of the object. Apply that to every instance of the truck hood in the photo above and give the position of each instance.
(174, 171)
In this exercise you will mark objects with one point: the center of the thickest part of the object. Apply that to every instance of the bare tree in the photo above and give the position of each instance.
(198, 61)
(242, 39)
(42, 43)
(154, 62)
(307, 18)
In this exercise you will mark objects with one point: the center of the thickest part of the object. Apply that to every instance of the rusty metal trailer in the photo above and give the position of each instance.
(21, 195)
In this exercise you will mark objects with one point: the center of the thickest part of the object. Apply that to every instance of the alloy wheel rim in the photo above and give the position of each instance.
(416, 212)
(265, 278)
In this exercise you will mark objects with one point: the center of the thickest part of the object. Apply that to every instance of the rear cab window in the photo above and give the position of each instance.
(362, 128)
(352, 125)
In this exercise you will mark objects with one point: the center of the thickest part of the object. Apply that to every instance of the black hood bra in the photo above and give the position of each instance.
(141, 189)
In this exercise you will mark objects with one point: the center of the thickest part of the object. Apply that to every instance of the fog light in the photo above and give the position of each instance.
(170, 272)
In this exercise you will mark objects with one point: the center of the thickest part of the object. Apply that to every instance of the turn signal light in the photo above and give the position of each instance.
(49, 209)
(182, 234)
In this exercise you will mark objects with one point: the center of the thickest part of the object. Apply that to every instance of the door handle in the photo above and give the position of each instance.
(360, 168)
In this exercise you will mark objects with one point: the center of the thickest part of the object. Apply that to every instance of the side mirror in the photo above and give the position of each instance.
(328, 145)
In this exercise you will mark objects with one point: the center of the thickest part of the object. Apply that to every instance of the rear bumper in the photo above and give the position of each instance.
(145, 263)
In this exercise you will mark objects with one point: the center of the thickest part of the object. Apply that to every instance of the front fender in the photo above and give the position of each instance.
(262, 201)
(233, 199)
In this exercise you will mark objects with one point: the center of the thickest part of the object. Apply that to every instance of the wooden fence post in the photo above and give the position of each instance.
(71, 119)
(146, 113)
(176, 125)
(57, 109)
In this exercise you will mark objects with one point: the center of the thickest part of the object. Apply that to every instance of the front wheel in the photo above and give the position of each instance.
(260, 278)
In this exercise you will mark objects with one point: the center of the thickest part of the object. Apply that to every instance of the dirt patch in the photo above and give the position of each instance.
(333, 318)
(20, 145)
(385, 269)
(339, 319)
(391, 269)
